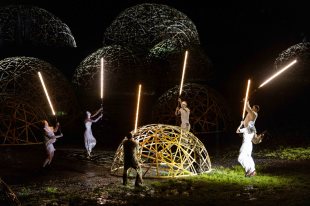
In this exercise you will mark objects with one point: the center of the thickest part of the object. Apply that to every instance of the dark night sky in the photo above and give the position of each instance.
(242, 40)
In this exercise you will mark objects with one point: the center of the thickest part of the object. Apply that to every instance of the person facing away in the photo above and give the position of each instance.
(89, 139)
(245, 152)
(131, 147)
(50, 139)
(184, 111)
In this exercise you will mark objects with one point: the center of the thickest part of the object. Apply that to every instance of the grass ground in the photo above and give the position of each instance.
(283, 179)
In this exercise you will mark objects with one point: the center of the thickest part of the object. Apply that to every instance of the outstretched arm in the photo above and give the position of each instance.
(99, 110)
(248, 107)
(96, 120)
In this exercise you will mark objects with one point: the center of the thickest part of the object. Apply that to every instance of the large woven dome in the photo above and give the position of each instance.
(154, 27)
(209, 112)
(165, 152)
(21, 25)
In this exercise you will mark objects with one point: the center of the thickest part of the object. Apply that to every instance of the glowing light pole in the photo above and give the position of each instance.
(278, 73)
(137, 111)
(246, 97)
(101, 82)
(101, 78)
(183, 73)
(46, 93)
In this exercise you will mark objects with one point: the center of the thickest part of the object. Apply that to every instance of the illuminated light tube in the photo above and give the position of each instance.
(46, 93)
(183, 73)
(278, 73)
(137, 111)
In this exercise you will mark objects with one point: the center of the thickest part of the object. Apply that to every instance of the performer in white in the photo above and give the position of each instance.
(252, 113)
(89, 139)
(245, 155)
(184, 111)
(50, 139)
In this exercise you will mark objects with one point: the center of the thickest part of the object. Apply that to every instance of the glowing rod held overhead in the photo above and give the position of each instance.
(101, 77)
(183, 73)
(278, 73)
(46, 93)
(246, 97)
(137, 111)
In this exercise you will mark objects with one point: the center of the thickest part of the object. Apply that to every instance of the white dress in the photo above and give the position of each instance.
(89, 139)
(49, 139)
(245, 155)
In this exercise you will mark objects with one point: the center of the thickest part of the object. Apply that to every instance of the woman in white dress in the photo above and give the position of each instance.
(50, 139)
(89, 139)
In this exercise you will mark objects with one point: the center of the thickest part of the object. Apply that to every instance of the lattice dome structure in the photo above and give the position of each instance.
(120, 70)
(157, 28)
(35, 26)
(208, 114)
(19, 79)
(300, 71)
(166, 151)
(20, 122)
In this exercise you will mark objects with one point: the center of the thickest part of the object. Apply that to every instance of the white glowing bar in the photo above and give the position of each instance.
(183, 73)
(101, 78)
(246, 97)
(46, 93)
(278, 73)
(137, 111)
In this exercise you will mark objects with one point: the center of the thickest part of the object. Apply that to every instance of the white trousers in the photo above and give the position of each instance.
(245, 157)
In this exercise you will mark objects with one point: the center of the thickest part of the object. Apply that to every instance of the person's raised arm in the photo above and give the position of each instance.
(96, 120)
(99, 110)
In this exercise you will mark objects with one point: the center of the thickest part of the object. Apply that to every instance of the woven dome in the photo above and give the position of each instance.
(166, 152)
(20, 122)
(154, 27)
(19, 78)
(118, 62)
(35, 26)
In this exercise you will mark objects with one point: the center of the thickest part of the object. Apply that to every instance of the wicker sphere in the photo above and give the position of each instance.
(166, 151)
(209, 112)
(154, 27)
(300, 71)
(35, 26)
(19, 78)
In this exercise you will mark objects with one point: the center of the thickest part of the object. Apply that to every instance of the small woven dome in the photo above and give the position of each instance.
(153, 27)
(165, 152)
(32, 25)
